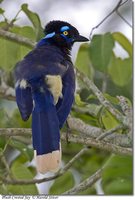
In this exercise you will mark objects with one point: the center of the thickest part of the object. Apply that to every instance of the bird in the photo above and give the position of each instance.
(45, 89)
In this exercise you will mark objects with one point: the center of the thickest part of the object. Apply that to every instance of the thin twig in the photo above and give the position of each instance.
(118, 13)
(119, 4)
(76, 157)
(109, 132)
(37, 181)
(104, 19)
(122, 3)
(3, 160)
(85, 184)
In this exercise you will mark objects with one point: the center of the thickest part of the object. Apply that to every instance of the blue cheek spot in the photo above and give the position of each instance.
(64, 28)
(68, 40)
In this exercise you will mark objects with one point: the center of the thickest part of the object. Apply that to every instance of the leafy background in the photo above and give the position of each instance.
(113, 76)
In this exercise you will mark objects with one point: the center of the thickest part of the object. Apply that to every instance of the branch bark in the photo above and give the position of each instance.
(102, 145)
(16, 38)
(111, 136)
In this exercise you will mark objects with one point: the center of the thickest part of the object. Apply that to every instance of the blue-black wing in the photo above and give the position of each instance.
(24, 101)
(34, 97)
(64, 105)
(38, 63)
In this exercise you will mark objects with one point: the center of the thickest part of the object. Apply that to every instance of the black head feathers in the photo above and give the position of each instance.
(56, 25)
(61, 34)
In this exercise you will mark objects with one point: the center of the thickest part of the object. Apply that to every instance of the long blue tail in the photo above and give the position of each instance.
(45, 132)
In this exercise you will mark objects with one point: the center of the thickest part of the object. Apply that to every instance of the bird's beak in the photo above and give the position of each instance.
(81, 38)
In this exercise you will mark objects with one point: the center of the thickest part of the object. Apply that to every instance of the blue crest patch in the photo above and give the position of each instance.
(64, 28)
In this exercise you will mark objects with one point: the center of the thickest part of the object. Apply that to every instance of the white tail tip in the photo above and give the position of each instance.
(50, 162)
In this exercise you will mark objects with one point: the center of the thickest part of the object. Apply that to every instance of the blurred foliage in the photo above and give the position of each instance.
(67, 180)
(117, 176)
(20, 171)
(112, 75)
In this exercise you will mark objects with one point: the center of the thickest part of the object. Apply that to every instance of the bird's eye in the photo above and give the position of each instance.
(65, 32)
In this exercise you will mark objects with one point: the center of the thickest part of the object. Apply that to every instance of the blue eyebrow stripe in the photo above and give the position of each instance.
(64, 28)
(50, 35)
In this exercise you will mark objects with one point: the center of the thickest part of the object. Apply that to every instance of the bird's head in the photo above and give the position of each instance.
(62, 34)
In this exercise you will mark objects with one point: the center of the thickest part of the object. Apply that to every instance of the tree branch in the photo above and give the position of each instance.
(102, 145)
(78, 125)
(101, 98)
(82, 139)
(86, 130)
(16, 38)
(112, 136)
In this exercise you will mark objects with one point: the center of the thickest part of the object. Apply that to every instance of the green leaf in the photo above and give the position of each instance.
(83, 61)
(62, 184)
(120, 70)
(123, 41)
(112, 99)
(78, 100)
(3, 24)
(108, 120)
(27, 152)
(2, 142)
(3, 189)
(100, 51)
(25, 31)
(117, 175)
(89, 119)
(1, 11)
(35, 20)
(12, 52)
(1, 1)
(20, 171)
(18, 122)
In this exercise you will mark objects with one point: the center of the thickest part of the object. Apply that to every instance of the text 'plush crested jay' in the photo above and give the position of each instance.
(45, 86)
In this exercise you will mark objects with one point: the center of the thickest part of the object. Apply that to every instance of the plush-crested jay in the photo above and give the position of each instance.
(45, 86)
